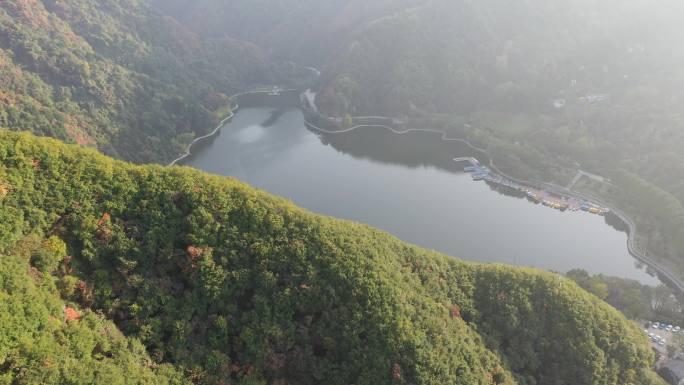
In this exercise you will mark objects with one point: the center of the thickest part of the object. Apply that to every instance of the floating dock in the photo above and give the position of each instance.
(552, 200)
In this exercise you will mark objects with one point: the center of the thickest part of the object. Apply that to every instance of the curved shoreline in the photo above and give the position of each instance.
(663, 273)
(445, 135)
(188, 150)
(234, 108)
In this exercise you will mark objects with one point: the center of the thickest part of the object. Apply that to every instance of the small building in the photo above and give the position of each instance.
(673, 371)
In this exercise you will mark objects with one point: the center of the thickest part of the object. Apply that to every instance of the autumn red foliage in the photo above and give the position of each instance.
(71, 314)
(106, 218)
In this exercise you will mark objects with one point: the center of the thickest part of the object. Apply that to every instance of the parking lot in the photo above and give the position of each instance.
(663, 335)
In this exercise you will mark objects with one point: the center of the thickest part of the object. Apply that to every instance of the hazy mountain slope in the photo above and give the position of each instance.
(230, 284)
(308, 31)
(114, 74)
(463, 56)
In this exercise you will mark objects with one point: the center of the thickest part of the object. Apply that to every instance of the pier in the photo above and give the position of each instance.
(550, 199)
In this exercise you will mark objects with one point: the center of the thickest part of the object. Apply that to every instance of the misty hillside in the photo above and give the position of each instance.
(463, 56)
(306, 31)
(116, 75)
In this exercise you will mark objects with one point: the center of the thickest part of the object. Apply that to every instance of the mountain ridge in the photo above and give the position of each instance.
(228, 283)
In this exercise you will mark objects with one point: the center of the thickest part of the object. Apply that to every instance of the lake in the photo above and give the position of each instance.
(410, 186)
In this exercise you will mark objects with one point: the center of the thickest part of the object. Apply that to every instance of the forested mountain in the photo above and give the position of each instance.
(223, 284)
(115, 74)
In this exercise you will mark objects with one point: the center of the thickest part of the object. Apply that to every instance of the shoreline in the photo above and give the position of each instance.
(662, 272)
(188, 150)
(215, 131)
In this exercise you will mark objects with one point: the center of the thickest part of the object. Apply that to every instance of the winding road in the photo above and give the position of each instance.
(664, 273)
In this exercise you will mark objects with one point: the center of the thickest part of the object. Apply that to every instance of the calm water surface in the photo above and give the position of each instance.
(409, 186)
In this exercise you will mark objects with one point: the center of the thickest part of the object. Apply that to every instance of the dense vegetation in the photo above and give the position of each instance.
(230, 285)
(117, 75)
(634, 300)
(45, 342)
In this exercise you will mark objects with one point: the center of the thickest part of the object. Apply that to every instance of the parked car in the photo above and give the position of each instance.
(676, 329)
(655, 325)
(668, 328)
(661, 343)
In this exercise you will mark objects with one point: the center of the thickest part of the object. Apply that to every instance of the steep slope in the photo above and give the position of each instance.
(116, 75)
(232, 285)
(44, 342)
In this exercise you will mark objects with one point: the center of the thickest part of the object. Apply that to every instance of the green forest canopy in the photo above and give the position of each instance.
(227, 284)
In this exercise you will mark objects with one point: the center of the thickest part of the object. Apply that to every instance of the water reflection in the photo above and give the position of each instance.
(413, 149)
(409, 185)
